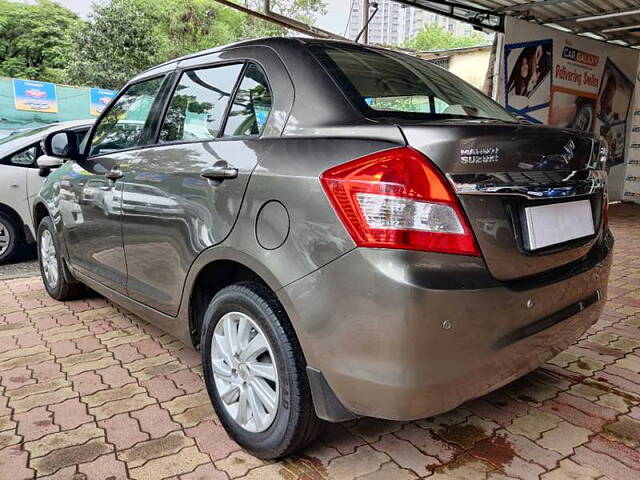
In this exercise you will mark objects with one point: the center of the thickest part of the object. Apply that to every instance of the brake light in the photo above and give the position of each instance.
(398, 199)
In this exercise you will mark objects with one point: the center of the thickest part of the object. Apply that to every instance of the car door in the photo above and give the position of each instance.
(90, 193)
(184, 194)
(35, 179)
(15, 170)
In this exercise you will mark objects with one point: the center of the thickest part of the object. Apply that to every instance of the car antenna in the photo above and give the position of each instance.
(366, 25)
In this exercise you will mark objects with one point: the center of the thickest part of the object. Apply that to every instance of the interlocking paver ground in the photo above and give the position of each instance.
(89, 391)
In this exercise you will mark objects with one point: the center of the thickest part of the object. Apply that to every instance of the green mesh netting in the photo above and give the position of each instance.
(73, 104)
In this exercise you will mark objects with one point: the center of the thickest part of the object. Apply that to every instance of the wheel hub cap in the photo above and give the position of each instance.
(5, 238)
(48, 259)
(244, 372)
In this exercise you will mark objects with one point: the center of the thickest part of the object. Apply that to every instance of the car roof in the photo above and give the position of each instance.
(273, 42)
(87, 122)
(306, 75)
(25, 139)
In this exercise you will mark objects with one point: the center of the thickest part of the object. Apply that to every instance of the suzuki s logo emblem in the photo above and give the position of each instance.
(568, 151)
(558, 160)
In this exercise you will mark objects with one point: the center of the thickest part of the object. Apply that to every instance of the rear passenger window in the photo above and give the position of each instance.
(24, 158)
(251, 105)
(199, 102)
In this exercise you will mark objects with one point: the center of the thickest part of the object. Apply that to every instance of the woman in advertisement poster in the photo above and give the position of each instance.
(519, 80)
(537, 69)
(528, 85)
(530, 69)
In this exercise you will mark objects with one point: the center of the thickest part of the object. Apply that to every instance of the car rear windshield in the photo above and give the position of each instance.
(385, 84)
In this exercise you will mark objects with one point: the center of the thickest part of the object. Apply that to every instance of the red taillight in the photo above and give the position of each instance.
(397, 199)
(605, 212)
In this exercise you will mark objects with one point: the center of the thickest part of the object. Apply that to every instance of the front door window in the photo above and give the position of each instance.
(122, 127)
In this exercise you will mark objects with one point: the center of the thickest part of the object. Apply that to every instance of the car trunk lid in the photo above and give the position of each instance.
(499, 170)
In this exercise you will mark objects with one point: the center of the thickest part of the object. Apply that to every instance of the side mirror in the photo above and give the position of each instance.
(46, 161)
(63, 144)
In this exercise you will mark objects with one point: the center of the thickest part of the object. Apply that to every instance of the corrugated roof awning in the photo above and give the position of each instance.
(613, 21)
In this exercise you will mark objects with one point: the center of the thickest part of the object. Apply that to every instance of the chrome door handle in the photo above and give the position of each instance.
(219, 173)
(114, 174)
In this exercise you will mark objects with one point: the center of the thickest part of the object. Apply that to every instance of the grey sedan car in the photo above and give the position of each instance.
(341, 230)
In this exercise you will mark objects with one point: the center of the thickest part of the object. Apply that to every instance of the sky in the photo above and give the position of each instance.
(336, 19)
(81, 7)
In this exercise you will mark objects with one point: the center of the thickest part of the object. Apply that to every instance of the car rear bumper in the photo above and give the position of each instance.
(405, 335)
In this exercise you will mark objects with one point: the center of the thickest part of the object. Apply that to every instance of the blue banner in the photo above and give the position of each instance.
(35, 96)
(99, 99)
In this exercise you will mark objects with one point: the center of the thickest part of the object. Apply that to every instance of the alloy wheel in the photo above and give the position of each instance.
(245, 372)
(49, 259)
(584, 119)
(5, 237)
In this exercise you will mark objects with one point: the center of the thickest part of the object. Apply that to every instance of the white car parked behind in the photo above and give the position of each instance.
(20, 181)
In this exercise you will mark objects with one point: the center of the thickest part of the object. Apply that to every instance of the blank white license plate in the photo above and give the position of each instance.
(556, 223)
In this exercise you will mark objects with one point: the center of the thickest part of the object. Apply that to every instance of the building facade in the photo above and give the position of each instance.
(469, 63)
(394, 24)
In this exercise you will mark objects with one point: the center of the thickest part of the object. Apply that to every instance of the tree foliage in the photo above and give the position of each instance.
(124, 37)
(435, 37)
(120, 39)
(302, 10)
(35, 39)
(45, 41)
(193, 25)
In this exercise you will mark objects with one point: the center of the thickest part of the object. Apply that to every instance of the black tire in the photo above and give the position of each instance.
(584, 118)
(8, 229)
(295, 424)
(63, 289)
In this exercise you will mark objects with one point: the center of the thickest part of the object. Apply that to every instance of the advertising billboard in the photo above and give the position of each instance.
(632, 176)
(99, 99)
(34, 96)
